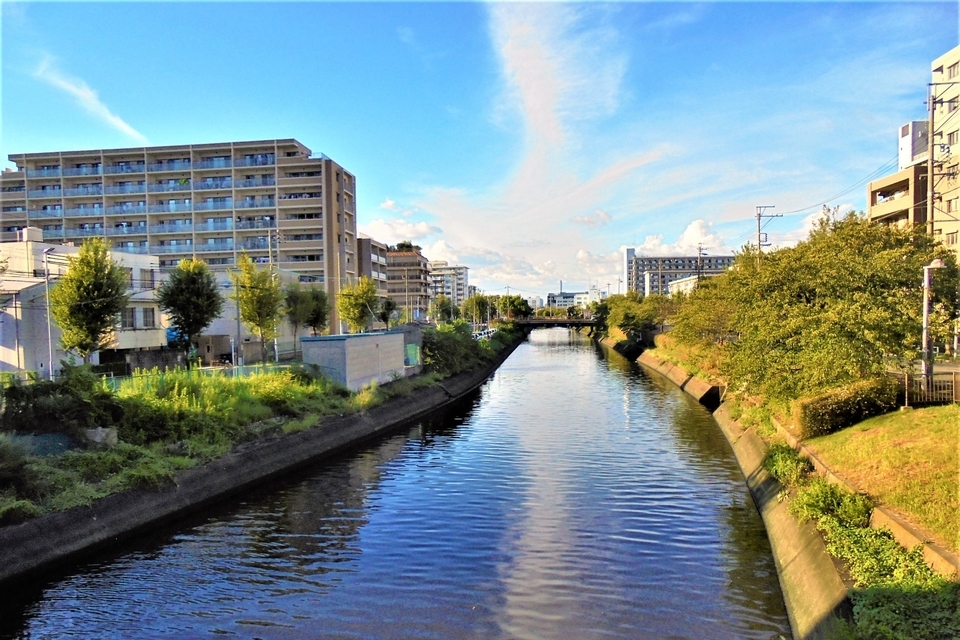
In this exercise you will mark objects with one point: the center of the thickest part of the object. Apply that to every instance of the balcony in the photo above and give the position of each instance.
(164, 188)
(171, 228)
(254, 244)
(263, 203)
(130, 230)
(124, 168)
(212, 163)
(125, 188)
(79, 212)
(43, 173)
(15, 209)
(255, 182)
(6, 190)
(82, 171)
(132, 249)
(45, 213)
(52, 233)
(170, 248)
(44, 193)
(171, 208)
(175, 165)
(214, 246)
(206, 227)
(119, 210)
(83, 233)
(84, 191)
(216, 184)
(212, 206)
(257, 224)
(259, 160)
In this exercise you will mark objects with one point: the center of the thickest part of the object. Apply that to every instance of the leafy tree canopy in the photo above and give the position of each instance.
(191, 297)
(355, 303)
(89, 298)
(385, 310)
(260, 299)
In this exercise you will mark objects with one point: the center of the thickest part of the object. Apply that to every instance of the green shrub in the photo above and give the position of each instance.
(819, 498)
(929, 613)
(839, 408)
(786, 465)
(13, 511)
(450, 349)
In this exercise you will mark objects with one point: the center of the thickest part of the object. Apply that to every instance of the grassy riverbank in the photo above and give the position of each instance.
(907, 461)
(175, 420)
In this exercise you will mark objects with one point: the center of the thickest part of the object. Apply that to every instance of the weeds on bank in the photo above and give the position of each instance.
(896, 595)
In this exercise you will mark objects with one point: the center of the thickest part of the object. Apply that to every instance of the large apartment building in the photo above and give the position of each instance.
(268, 198)
(945, 215)
(901, 198)
(653, 274)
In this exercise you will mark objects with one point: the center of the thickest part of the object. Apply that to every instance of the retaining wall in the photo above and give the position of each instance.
(58, 537)
(813, 590)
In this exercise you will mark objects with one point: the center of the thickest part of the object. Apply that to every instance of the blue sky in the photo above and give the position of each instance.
(530, 142)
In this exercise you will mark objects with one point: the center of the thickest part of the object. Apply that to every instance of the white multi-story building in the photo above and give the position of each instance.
(449, 280)
(23, 306)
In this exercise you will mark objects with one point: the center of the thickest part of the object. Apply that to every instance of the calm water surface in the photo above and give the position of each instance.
(573, 497)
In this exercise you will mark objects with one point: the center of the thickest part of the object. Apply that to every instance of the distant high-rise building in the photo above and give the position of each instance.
(650, 275)
(269, 198)
(372, 262)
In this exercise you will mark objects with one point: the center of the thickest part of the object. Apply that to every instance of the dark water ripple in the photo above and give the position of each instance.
(573, 498)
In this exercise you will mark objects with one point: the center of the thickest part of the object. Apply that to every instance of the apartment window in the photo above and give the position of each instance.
(952, 104)
(951, 238)
(146, 279)
(952, 137)
(128, 318)
(953, 205)
(149, 318)
(953, 70)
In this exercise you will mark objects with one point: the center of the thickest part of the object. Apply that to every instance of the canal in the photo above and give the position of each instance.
(573, 496)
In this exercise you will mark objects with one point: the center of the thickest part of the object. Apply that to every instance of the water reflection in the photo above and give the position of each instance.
(572, 497)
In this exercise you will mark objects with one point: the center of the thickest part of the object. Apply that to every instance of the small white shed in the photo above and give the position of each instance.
(356, 359)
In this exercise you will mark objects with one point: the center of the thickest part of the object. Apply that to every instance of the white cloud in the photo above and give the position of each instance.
(85, 97)
(406, 35)
(698, 233)
(392, 231)
(596, 219)
(389, 205)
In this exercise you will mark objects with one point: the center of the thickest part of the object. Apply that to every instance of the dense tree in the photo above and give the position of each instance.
(297, 303)
(831, 310)
(191, 298)
(442, 309)
(260, 299)
(356, 302)
(406, 245)
(475, 308)
(89, 298)
(514, 307)
(385, 311)
(319, 310)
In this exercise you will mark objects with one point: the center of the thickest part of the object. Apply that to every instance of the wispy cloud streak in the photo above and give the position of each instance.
(85, 97)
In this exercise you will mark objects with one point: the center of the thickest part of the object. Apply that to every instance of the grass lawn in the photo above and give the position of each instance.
(908, 461)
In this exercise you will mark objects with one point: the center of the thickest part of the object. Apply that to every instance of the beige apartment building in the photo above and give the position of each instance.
(945, 218)
(408, 282)
(268, 198)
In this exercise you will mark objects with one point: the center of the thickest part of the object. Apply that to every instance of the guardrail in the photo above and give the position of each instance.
(913, 389)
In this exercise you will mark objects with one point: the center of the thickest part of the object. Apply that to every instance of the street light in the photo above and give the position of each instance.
(46, 287)
(925, 346)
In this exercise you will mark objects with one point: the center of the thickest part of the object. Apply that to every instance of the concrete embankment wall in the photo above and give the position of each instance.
(55, 538)
(813, 591)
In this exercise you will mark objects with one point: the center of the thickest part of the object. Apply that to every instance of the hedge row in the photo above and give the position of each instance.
(839, 408)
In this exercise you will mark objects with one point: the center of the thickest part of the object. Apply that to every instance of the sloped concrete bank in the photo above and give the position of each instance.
(813, 590)
(629, 350)
(44, 542)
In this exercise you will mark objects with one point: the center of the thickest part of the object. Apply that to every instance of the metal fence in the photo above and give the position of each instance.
(914, 389)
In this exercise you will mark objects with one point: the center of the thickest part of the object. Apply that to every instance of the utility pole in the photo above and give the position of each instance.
(762, 237)
(700, 255)
(931, 104)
